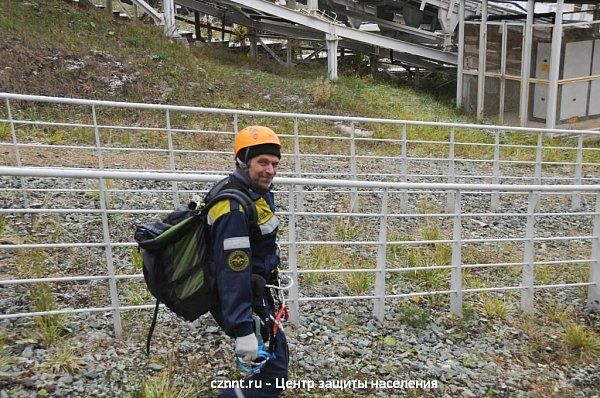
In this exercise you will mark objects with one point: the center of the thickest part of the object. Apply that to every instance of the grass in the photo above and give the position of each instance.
(136, 293)
(429, 279)
(414, 316)
(6, 338)
(48, 328)
(558, 314)
(581, 341)
(322, 91)
(163, 384)
(319, 257)
(348, 229)
(63, 360)
(494, 307)
(31, 264)
(214, 77)
(3, 222)
(359, 283)
(135, 258)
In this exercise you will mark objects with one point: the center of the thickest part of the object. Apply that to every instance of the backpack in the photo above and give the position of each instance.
(176, 254)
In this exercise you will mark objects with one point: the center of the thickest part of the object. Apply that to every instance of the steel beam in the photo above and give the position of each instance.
(169, 18)
(461, 53)
(482, 57)
(345, 32)
(554, 66)
(270, 51)
(526, 65)
(158, 17)
(503, 74)
(332, 46)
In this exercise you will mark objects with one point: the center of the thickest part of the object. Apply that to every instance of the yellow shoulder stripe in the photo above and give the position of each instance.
(219, 209)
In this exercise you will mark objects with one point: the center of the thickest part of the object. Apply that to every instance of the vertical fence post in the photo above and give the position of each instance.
(353, 172)
(538, 160)
(403, 172)
(235, 123)
(456, 303)
(593, 298)
(18, 161)
(529, 255)
(451, 171)
(298, 166)
(379, 302)
(99, 152)
(576, 199)
(172, 159)
(495, 201)
(112, 282)
(292, 259)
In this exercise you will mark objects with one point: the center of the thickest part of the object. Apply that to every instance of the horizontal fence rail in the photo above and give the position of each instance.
(196, 140)
(383, 243)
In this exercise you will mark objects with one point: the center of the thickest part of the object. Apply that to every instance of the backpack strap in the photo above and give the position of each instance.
(229, 188)
(152, 326)
(238, 196)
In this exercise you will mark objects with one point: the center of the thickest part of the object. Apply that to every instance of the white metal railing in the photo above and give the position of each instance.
(410, 155)
(385, 192)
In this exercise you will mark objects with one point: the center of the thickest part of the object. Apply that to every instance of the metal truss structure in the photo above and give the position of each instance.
(413, 33)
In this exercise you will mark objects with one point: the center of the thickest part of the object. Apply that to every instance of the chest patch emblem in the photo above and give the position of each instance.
(238, 260)
(263, 210)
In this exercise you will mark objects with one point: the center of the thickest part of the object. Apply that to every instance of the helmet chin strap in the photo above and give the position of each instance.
(243, 164)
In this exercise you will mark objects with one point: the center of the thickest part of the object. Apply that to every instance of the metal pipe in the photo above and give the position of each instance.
(61, 100)
(482, 60)
(119, 175)
(461, 53)
(456, 298)
(555, 57)
(593, 296)
(526, 64)
(379, 304)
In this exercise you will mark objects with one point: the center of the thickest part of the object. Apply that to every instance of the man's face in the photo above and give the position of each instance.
(262, 169)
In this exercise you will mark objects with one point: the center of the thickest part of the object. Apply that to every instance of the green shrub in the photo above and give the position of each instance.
(413, 316)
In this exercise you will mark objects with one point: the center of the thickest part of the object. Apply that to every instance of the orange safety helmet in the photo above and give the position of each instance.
(253, 136)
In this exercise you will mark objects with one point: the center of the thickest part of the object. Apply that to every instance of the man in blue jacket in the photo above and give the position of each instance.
(246, 257)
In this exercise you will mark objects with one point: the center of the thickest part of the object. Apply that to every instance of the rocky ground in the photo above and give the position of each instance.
(483, 354)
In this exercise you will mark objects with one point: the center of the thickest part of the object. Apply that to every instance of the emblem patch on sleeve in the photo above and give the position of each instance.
(238, 260)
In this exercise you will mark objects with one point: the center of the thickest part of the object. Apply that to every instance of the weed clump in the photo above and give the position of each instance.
(414, 316)
(581, 341)
(322, 91)
(494, 307)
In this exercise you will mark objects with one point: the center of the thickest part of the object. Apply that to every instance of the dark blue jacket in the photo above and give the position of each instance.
(239, 250)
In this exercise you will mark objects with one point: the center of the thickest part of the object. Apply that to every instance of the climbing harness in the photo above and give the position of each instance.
(265, 355)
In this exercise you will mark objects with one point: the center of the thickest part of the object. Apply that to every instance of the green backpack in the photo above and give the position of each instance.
(176, 255)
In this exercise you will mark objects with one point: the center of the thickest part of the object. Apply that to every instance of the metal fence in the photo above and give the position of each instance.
(583, 247)
(185, 139)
